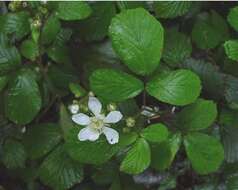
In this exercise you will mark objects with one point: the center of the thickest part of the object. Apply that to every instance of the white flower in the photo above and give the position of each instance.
(98, 123)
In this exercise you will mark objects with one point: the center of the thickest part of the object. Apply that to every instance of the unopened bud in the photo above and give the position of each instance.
(111, 107)
(130, 122)
(91, 94)
(74, 108)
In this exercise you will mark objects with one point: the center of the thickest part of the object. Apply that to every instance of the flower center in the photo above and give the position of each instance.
(96, 123)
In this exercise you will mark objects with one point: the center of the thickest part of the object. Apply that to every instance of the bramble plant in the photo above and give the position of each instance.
(120, 95)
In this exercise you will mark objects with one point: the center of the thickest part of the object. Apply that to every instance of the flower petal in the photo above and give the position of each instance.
(81, 119)
(94, 105)
(88, 133)
(111, 134)
(113, 117)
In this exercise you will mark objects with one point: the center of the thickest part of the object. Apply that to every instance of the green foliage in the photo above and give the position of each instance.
(205, 152)
(137, 159)
(59, 171)
(177, 48)
(165, 74)
(24, 94)
(231, 48)
(14, 154)
(41, 139)
(73, 10)
(113, 85)
(232, 18)
(197, 116)
(155, 133)
(141, 55)
(171, 9)
(209, 30)
(179, 87)
(29, 49)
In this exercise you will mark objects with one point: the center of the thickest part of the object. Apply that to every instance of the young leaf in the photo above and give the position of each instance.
(171, 9)
(205, 152)
(209, 30)
(197, 116)
(155, 133)
(137, 159)
(29, 49)
(178, 47)
(179, 87)
(50, 30)
(232, 17)
(59, 171)
(73, 10)
(137, 37)
(97, 152)
(231, 48)
(112, 85)
(41, 139)
(14, 154)
(23, 99)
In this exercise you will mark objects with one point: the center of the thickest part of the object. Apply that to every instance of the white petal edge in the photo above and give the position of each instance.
(88, 133)
(111, 134)
(113, 117)
(81, 119)
(94, 105)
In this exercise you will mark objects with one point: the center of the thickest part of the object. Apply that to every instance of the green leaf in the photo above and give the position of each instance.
(77, 90)
(50, 30)
(155, 133)
(73, 10)
(137, 158)
(3, 82)
(232, 182)
(41, 139)
(205, 152)
(29, 49)
(97, 152)
(112, 85)
(23, 99)
(232, 17)
(178, 47)
(10, 58)
(16, 24)
(212, 80)
(14, 155)
(130, 4)
(96, 26)
(171, 9)
(178, 87)
(231, 91)
(137, 38)
(230, 141)
(231, 48)
(163, 154)
(66, 122)
(59, 54)
(209, 30)
(59, 171)
(197, 116)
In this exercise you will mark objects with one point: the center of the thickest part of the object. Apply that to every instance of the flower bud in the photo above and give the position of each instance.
(91, 94)
(111, 107)
(74, 108)
(130, 122)
(83, 107)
